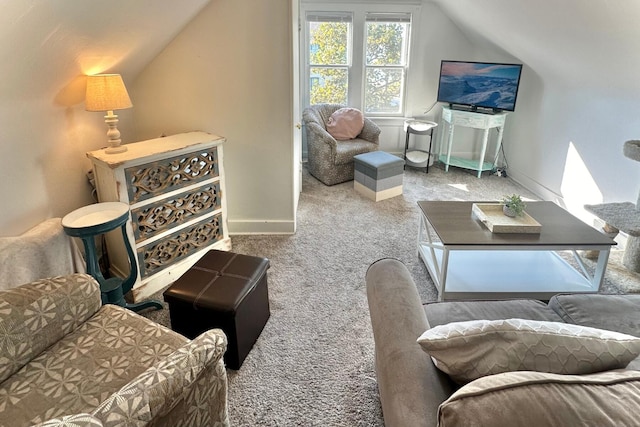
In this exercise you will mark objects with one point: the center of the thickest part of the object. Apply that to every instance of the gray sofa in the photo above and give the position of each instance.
(412, 388)
(65, 360)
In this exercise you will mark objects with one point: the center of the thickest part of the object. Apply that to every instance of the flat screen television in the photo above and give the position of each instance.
(479, 86)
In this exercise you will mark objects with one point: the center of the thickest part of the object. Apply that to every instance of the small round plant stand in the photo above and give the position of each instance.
(90, 221)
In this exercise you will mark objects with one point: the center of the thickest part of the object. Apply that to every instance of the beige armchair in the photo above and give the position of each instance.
(67, 360)
(330, 160)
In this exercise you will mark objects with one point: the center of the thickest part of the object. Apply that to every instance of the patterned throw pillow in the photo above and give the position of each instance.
(345, 123)
(473, 349)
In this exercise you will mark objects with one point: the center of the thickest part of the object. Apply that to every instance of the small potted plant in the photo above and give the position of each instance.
(513, 205)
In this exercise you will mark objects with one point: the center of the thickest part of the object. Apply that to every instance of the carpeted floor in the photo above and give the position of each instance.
(314, 362)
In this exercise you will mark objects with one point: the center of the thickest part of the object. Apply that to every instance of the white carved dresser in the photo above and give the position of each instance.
(175, 188)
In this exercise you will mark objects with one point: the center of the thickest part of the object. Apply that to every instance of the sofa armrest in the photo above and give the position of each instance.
(411, 388)
(156, 391)
(36, 315)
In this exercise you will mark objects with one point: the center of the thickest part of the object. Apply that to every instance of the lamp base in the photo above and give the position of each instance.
(114, 150)
(113, 134)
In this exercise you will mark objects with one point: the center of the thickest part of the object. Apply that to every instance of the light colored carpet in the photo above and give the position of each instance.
(314, 362)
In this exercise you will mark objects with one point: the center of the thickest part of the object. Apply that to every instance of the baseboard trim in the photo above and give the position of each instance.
(535, 187)
(238, 227)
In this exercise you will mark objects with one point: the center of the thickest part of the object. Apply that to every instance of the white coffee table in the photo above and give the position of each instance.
(467, 261)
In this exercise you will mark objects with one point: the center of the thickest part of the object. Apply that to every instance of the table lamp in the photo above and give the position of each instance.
(106, 92)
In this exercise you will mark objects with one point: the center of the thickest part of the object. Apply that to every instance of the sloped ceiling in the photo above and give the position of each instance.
(572, 42)
(46, 48)
(45, 44)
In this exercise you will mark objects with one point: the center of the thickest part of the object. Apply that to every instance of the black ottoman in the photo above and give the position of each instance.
(222, 290)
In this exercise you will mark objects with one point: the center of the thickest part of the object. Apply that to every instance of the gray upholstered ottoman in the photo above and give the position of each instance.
(378, 175)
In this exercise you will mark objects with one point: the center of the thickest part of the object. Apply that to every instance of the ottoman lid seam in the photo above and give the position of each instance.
(215, 277)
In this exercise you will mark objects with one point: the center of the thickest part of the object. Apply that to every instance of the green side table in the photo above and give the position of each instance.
(99, 218)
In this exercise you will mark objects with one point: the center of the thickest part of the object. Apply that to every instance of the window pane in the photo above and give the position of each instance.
(386, 43)
(383, 91)
(328, 43)
(328, 84)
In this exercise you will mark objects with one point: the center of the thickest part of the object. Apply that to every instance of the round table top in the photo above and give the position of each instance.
(95, 215)
(418, 126)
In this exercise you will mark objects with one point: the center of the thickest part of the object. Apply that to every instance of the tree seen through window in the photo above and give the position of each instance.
(385, 62)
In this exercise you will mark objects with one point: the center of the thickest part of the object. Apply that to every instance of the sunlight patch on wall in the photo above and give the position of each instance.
(578, 187)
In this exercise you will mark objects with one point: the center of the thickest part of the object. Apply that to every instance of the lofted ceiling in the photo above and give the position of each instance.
(46, 48)
(571, 42)
(45, 44)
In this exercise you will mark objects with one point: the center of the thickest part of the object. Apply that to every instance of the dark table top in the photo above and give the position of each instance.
(455, 225)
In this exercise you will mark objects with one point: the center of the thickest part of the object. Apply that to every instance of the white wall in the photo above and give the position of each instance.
(229, 73)
(578, 99)
(570, 147)
(46, 47)
(437, 38)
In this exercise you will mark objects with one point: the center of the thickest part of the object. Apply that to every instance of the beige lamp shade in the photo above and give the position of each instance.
(106, 92)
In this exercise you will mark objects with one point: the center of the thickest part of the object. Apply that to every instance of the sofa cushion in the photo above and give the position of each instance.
(545, 400)
(345, 123)
(86, 366)
(620, 313)
(440, 313)
(469, 350)
(345, 150)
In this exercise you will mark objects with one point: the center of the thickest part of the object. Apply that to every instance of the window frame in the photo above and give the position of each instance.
(357, 69)
(326, 17)
(390, 17)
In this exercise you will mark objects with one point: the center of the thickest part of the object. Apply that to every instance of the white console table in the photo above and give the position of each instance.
(470, 119)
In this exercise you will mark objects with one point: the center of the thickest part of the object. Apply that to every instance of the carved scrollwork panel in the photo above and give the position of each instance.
(157, 217)
(165, 175)
(179, 245)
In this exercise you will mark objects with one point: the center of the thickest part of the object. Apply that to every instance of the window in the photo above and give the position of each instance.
(385, 62)
(358, 59)
(329, 49)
